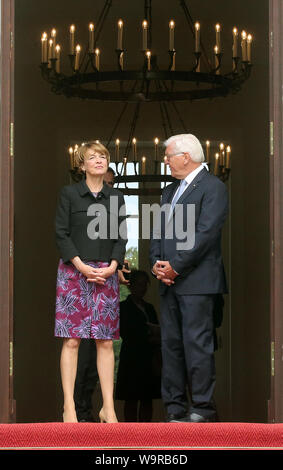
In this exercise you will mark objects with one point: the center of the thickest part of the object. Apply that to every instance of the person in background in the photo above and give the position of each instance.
(109, 177)
(87, 375)
(87, 292)
(139, 371)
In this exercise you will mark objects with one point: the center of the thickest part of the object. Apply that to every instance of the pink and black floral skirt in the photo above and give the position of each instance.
(86, 309)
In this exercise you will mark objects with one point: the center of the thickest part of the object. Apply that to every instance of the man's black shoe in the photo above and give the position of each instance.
(196, 418)
(180, 418)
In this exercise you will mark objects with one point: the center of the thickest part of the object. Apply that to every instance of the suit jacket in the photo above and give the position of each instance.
(200, 268)
(72, 224)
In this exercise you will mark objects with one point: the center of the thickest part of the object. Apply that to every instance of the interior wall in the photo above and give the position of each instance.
(45, 124)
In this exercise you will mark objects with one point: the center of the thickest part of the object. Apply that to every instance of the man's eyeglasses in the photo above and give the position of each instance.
(167, 157)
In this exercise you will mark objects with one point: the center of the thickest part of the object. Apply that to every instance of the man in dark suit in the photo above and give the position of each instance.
(192, 276)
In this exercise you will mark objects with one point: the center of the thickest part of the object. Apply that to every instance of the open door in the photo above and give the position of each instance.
(7, 409)
(276, 209)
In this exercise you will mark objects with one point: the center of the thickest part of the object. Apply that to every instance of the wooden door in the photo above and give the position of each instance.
(276, 209)
(7, 409)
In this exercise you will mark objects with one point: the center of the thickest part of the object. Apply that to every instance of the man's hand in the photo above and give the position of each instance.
(164, 272)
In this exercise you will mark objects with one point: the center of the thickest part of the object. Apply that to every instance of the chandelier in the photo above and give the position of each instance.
(203, 78)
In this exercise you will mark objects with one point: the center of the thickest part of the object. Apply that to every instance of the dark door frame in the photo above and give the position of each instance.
(7, 411)
(276, 208)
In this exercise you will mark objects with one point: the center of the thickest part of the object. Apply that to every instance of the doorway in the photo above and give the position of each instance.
(43, 126)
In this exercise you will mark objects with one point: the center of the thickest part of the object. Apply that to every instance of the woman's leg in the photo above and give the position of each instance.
(105, 368)
(68, 363)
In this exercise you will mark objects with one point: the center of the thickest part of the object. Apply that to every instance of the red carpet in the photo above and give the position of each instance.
(141, 436)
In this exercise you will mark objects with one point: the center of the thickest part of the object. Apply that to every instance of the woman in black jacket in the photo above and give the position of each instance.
(91, 237)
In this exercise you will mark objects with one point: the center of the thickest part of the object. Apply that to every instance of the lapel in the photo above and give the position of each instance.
(168, 193)
(192, 186)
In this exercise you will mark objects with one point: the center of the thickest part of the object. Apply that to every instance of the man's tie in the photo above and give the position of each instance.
(178, 194)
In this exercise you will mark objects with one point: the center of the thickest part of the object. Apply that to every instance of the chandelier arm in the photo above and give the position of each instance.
(132, 129)
(102, 18)
(166, 113)
(121, 115)
(182, 122)
(176, 109)
(165, 109)
(148, 17)
(117, 124)
(191, 25)
(163, 117)
(163, 121)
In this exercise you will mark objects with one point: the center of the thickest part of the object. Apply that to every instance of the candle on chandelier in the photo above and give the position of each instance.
(144, 35)
(58, 52)
(44, 48)
(72, 39)
(71, 153)
(171, 35)
(216, 52)
(235, 42)
(197, 37)
(125, 165)
(222, 154)
(120, 35)
(244, 46)
(91, 37)
(165, 165)
(77, 58)
(121, 60)
(207, 150)
(97, 58)
(249, 47)
(148, 55)
(53, 37)
(156, 142)
(218, 42)
(228, 157)
(117, 150)
(134, 143)
(216, 164)
(50, 52)
(143, 169)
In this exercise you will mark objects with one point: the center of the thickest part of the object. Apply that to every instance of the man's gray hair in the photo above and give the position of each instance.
(187, 143)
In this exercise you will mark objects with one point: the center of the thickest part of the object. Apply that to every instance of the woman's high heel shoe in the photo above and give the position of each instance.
(103, 418)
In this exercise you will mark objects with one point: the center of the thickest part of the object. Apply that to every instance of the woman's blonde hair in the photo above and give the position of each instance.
(79, 155)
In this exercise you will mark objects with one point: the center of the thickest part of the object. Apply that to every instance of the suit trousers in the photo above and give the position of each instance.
(86, 379)
(187, 334)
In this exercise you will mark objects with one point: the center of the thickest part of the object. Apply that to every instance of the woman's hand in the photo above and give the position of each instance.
(101, 274)
(98, 275)
(92, 275)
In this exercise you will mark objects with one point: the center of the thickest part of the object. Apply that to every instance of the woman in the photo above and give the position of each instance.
(139, 372)
(88, 234)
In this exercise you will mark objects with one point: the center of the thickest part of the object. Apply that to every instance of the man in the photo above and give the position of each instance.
(87, 375)
(192, 277)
